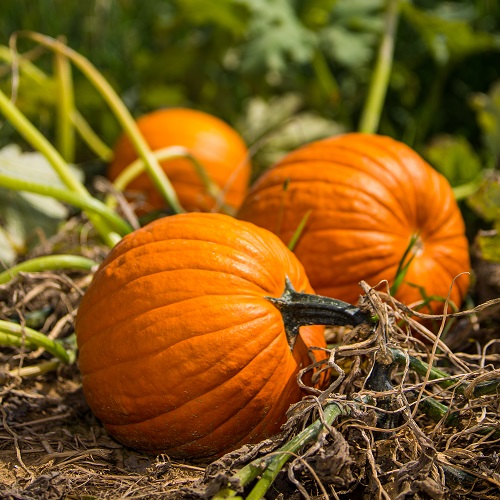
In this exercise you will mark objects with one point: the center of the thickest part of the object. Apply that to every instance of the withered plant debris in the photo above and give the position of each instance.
(404, 430)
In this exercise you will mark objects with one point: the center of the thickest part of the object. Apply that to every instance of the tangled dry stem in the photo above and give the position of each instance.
(403, 433)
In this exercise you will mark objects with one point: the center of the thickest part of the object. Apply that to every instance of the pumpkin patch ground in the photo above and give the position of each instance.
(52, 446)
(216, 284)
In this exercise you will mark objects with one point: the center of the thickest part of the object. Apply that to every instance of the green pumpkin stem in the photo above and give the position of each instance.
(301, 309)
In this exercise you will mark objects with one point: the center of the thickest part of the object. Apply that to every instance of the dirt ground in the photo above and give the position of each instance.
(389, 444)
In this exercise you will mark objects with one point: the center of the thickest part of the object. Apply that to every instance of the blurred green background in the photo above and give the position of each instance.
(282, 72)
(260, 64)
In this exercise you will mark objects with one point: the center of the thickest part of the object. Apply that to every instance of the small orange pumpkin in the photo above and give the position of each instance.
(369, 195)
(217, 146)
(188, 345)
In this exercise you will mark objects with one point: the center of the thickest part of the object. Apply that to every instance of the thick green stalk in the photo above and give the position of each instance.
(12, 334)
(87, 203)
(121, 112)
(48, 263)
(37, 76)
(436, 411)
(422, 368)
(65, 103)
(41, 144)
(372, 111)
(269, 467)
(138, 166)
(301, 309)
(92, 140)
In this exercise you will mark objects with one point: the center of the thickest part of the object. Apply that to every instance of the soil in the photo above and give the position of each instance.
(388, 444)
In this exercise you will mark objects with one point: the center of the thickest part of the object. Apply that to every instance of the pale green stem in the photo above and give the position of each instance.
(465, 190)
(92, 140)
(404, 264)
(325, 77)
(12, 334)
(81, 125)
(269, 467)
(41, 144)
(121, 112)
(87, 203)
(25, 66)
(34, 370)
(65, 104)
(48, 263)
(298, 232)
(128, 174)
(372, 111)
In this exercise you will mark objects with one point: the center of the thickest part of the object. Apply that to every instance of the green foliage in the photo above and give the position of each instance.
(284, 72)
(26, 218)
(447, 37)
(489, 246)
(486, 202)
(215, 56)
(487, 107)
(352, 38)
(455, 158)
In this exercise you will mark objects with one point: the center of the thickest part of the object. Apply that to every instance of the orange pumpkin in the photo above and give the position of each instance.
(217, 146)
(188, 344)
(369, 195)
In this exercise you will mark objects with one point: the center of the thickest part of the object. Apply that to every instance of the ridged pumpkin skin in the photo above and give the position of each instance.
(368, 196)
(179, 350)
(217, 146)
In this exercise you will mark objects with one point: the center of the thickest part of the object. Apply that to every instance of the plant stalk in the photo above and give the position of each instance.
(34, 370)
(65, 103)
(269, 467)
(300, 309)
(481, 389)
(370, 117)
(129, 173)
(87, 203)
(121, 112)
(41, 144)
(12, 334)
(92, 140)
(48, 263)
(298, 232)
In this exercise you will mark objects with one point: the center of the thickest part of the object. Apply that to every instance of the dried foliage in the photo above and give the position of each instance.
(405, 430)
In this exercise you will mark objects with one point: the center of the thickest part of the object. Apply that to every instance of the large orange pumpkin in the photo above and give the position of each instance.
(369, 195)
(217, 146)
(187, 340)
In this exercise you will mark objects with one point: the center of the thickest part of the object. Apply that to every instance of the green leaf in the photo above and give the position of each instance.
(276, 37)
(486, 200)
(488, 243)
(231, 15)
(454, 157)
(25, 217)
(354, 31)
(349, 48)
(487, 107)
(448, 39)
(277, 127)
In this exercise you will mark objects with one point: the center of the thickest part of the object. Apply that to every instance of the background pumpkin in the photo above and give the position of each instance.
(180, 350)
(368, 196)
(217, 146)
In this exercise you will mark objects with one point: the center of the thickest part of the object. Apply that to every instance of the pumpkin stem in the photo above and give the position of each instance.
(301, 309)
